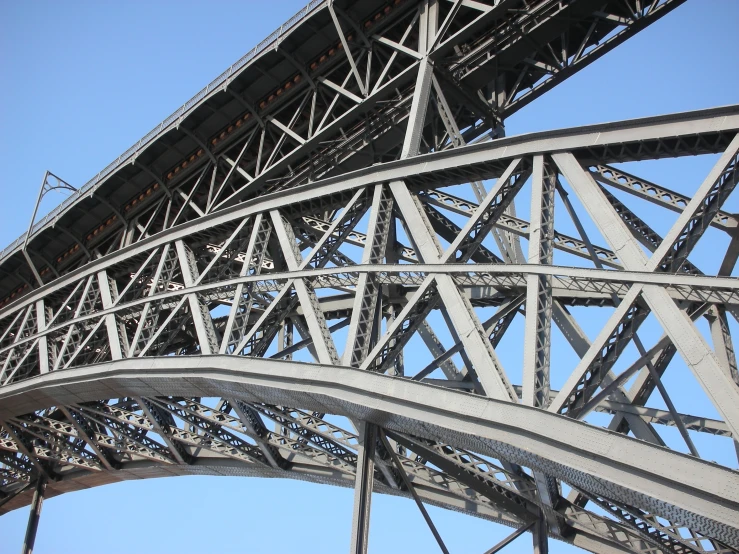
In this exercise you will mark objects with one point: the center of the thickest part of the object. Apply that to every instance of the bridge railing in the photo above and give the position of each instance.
(164, 125)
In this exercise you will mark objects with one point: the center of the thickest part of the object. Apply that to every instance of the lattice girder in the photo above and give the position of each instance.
(330, 290)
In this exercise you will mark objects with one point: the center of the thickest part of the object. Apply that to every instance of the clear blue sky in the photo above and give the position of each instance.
(84, 80)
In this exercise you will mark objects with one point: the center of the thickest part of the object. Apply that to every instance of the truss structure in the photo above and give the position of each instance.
(324, 278)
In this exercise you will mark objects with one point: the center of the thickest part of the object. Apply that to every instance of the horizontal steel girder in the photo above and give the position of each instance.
(479, 282)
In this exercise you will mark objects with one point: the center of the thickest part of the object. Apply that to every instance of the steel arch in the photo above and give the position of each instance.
(212, 306)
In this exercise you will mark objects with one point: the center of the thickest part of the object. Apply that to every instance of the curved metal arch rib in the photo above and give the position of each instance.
(688, 490)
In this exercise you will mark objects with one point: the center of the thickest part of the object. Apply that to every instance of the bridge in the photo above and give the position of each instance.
(312, 270)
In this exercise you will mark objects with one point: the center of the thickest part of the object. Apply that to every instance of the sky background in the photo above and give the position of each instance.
(83, 81)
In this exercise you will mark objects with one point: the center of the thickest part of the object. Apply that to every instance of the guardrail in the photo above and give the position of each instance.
(164, 125)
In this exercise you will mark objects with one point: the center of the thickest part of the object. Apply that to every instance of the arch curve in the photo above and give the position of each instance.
(634, 472)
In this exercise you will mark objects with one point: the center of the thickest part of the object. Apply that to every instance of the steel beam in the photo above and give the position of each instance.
(510, 538)
(363, 485)
(413, 492)
(33, 517)
(717, 385)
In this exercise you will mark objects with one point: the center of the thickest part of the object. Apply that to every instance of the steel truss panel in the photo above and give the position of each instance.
(267, 261)
(200, 327)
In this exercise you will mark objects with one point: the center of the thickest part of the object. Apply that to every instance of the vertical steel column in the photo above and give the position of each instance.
(539, 534)
(43, 344)
(537, 343)
(33, 517)
(427, 25)
(111, 325)
(538, 327)
(363, 488)
(368, 292)
(201, 317)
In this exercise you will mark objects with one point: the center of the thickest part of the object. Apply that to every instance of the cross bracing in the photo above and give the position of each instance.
(328, 288)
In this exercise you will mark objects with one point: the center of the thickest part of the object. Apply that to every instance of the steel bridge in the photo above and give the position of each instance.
(235, 294)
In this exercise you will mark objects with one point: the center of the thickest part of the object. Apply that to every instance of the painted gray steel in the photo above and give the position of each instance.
(258, 305)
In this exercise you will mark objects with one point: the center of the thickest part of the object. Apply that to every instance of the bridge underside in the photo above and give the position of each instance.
(211, 347)
(357, 279)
